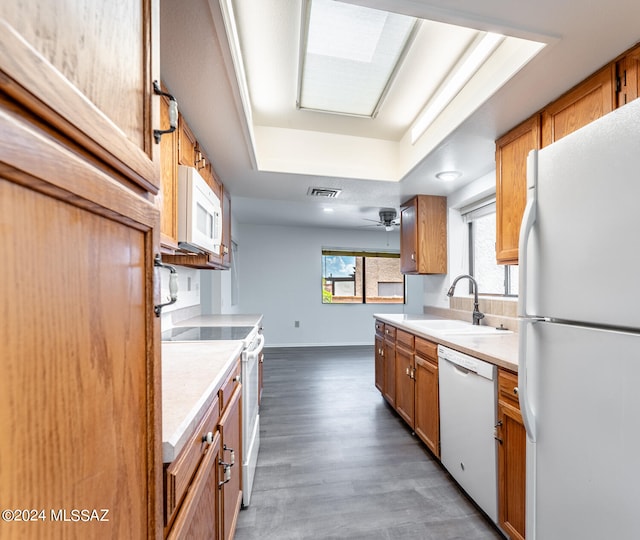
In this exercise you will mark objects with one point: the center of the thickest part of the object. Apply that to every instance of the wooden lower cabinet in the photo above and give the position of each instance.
(198, 517)
(203, 485)
(408, 364)
(511, 436)
(379, 363)
(389, 388)
(405, 368)
(230, 465)
(427, 412)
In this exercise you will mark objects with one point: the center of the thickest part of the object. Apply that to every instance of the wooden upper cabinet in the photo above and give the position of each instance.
(512, 150)
(585, 103)
(423, 235)
(87, 68)
(628, 76)
(168, 204)
(186, 144)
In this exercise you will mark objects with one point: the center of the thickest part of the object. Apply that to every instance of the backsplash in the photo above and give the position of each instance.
(497, 311)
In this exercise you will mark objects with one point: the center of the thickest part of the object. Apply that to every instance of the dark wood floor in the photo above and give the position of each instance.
(336, 462)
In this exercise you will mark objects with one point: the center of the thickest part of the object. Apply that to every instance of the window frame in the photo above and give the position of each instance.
(364, 254)
(471, 215)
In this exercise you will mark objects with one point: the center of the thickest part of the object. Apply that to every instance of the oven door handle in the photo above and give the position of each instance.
(253, 353)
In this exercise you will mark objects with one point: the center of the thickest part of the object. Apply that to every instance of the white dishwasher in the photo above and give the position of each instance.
(467, 419)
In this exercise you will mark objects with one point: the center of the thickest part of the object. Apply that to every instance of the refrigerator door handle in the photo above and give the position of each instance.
(528, 417)
(528, 220)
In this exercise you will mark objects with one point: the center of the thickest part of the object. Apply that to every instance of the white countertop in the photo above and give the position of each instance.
(499, 349)
(192, 372)
(222, 320)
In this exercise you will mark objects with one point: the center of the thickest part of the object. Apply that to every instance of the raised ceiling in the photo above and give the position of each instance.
(198, 67)
(285, 139)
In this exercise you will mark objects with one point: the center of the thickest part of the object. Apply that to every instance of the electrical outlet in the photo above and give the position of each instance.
(296, 324)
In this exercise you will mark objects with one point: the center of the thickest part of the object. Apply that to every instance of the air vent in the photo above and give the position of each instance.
(329, 193)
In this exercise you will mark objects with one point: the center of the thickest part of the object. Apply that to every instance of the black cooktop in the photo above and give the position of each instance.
(206, 333)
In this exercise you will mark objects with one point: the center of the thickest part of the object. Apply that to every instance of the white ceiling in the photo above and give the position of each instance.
(197, 67)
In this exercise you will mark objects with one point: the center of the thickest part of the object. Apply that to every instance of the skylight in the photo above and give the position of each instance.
(349, 56)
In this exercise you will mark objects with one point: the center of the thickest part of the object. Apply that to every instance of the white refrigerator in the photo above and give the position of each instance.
(579, 372)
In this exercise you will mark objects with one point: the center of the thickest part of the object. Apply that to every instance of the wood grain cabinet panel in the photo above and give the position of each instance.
(427, 412)
(389, 390)
(405, 370)
(379, 363)
(168, 199)
(179, 473)
(80, 361)
(512, 150)
(87, 69)
(423, 235)
(230, 463)
(199, 515)
(511, 436)
(628, 77)
(590, 100)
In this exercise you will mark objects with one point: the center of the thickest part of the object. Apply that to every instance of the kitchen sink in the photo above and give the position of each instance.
(453, 326)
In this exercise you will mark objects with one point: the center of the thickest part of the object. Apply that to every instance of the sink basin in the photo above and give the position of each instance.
(453, 326)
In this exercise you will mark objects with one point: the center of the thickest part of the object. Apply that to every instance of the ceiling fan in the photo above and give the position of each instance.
(387, 219)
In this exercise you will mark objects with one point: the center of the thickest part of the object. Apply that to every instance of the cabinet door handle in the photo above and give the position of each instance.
(173, 113)
(232, 455)
(227, 474)
(413, 256)
(495, 431)
(173, 284)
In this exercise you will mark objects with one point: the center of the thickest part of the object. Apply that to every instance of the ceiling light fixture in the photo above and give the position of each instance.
(448, 176)
(483, 46)
(349, 56)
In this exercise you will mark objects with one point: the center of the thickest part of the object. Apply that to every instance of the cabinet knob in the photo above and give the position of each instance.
(515, 390)
(208, 437)
(413, 256)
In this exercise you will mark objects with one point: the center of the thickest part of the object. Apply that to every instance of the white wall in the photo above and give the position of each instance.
(280, 276)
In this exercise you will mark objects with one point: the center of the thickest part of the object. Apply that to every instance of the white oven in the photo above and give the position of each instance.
(250, 413)
(199, 213)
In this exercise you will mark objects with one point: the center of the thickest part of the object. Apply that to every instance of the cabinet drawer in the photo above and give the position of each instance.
(390, 332)
(427, 349)
(508, 387)
(197, 517)
(380, 328)
(179, 473)
(229, 386)
(404, 338)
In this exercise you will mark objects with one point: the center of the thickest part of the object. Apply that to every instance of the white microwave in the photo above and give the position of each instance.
(199, 213)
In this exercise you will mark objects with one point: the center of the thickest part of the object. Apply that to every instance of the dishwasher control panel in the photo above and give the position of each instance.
(482, 368)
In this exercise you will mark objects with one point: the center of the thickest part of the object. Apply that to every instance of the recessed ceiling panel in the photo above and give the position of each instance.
(350, 54)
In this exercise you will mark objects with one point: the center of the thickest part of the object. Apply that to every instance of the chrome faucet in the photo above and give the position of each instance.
(477, 315)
